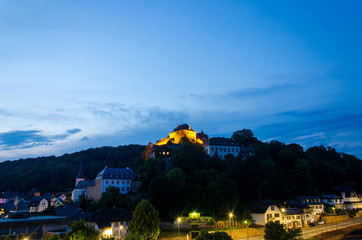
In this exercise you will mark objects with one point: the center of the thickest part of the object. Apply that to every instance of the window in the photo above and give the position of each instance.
(116, 233)
(220, 149)
(237, 150)
(128, 182)
(228, 149)
(276, 215)
(127, 188)
(212, 148)
(117, 182)
(122, 189)
(116, 224)
(112, 182)
(232, 149)
(269, 216)
(224, 149)
(272, 208)
(106, 182)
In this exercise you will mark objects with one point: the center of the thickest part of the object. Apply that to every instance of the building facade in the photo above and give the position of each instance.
(111, 177)
(221, 147)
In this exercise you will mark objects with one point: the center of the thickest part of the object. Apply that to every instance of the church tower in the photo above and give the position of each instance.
(80, 176)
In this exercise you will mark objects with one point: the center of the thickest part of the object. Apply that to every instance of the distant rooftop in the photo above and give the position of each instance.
(184, 126)
(117, 173)
(222, 141)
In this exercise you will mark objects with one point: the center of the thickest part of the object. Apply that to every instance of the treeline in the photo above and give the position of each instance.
(190, 180)
(216, 186)
(53, 174)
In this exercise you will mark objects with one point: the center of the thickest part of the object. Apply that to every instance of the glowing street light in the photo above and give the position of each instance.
(247, 229)
(178, 227)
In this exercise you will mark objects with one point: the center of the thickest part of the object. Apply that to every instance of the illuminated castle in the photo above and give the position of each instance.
(179, 135)
(182, 133)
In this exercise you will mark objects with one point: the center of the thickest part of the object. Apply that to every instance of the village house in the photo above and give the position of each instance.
(111, 222)
(291, 218)
(265, 211)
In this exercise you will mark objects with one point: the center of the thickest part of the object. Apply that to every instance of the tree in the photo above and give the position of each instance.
(145, 221)
(80, 231)
(147, 152)
(50, 210)
(244, 137)
(294, 234)
(274, 231)
(113, 198)
(204, 235)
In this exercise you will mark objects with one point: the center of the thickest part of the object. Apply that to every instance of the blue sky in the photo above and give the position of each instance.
(81, 74)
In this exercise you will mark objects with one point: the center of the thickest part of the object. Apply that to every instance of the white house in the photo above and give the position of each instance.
(314, 202)
(112, 177)
(265, 211)
(111, 222)
(333, 200)
(292, 218)
(221, 146)
(350, 198)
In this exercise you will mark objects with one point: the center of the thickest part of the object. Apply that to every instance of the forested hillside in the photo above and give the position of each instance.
(191, 180)
(51, 174)
(214, 186)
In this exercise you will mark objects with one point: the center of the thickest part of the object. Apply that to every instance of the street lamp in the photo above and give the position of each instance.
(230, 215)
(178, 227)
(247, 229)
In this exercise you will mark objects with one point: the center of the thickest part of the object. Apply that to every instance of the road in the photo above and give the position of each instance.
(312, 231)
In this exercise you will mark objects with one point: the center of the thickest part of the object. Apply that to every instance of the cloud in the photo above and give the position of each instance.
(246, 92)
(20, 139)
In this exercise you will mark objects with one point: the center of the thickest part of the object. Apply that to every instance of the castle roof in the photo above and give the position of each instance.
(184, 126)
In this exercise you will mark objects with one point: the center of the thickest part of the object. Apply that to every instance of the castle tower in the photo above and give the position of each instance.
(80, 176)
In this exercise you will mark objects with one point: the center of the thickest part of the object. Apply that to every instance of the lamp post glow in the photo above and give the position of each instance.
(178, 227)
(247, 229)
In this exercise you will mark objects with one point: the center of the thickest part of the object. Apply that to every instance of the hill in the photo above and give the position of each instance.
(50, 174)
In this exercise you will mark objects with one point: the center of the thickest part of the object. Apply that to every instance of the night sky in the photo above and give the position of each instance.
(81, 74)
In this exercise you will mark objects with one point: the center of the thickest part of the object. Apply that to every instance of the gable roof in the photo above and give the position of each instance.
(262, 206)
(349, 192)
(291, 211)
(222, 141)
(105, 217)
(117, 173)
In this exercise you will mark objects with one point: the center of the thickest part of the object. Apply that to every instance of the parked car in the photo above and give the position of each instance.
(320, 221)
(311, 224)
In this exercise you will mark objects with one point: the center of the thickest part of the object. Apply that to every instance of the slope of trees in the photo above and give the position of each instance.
(193, 181)
(50, 174)
(213, 186)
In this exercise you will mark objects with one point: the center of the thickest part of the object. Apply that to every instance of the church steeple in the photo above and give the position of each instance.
(80, 176)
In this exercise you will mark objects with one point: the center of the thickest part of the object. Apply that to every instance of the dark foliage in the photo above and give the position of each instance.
(51, 174)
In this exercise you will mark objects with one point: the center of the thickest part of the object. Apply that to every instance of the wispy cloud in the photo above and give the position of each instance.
(21, 139)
